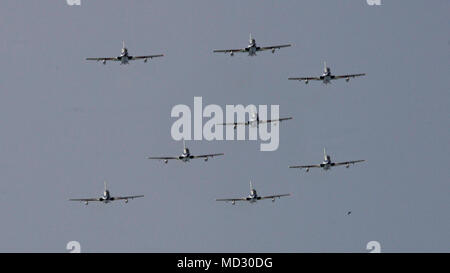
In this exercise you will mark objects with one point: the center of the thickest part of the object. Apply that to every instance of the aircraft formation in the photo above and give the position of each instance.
(254, 121)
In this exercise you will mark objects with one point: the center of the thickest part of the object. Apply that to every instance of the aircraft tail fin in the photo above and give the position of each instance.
(326, 69)
(326, 157)
(254, 115)
(106, 187)
(251, 186)
(251, 40)
(123, 44)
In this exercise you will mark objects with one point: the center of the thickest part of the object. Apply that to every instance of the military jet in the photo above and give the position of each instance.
(253, 197)
(106, 197)
(327, 163)
(254, 121)
(185, 156)
(327, 77)
(251, 49)
(124, 57)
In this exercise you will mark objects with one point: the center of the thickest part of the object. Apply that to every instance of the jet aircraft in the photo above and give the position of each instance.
(106, 197)
(185, 156)
(327, 77)
(124, 57)
(251, 49)
(253, 197)
(327, 163)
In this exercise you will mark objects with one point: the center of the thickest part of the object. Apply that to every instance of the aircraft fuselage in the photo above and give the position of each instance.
(252, 48)
(326, 166)
(106, 197)
(254, 120)
(253, 196)
(124, 58)
(326, 77)
(185, 156)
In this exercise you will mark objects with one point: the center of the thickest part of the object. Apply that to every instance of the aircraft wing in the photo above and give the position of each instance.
(126, 197)
(163, 157)
(86, 199)
(275, 196)
(229, 50)
(273, 47)
(348, 76)
(146, 57)
(306, 166)
(306, 79)
(103, 59)
(232, 199)
(346, 163)
(274, 120)
(203, 156)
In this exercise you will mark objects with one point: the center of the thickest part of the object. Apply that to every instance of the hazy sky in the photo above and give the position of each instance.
(68, 124)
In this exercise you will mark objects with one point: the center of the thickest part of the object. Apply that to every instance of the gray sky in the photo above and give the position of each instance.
(67, 125)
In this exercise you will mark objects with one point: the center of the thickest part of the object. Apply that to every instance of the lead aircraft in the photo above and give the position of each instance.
(253, 197)
(251, 49)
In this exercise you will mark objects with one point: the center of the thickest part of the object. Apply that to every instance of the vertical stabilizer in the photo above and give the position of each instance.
(326, 69)
(251, 41)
